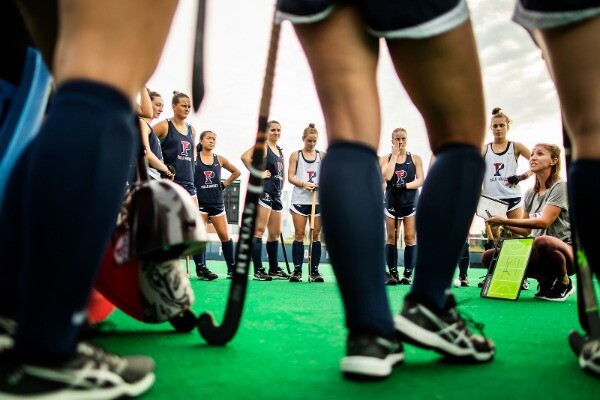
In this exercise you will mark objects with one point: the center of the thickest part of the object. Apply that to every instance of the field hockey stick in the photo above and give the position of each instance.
(198, 65)
(311, 232)
(285, 257)
(587, 304)
(210, 331)
(187, 266)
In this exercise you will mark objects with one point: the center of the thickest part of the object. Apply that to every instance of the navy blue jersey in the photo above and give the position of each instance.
(403, 173)
(178, 150)
(274, 184)
(154, 143)
(207, 179)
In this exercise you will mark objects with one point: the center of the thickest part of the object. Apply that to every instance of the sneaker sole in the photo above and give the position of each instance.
(262, 279)
(126, 389)
(207, 279)
(567, 295)
(369, 368)
(431, 341)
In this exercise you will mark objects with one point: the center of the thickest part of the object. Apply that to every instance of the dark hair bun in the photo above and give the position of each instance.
(175, 92)
(496, 110)
(311, 125)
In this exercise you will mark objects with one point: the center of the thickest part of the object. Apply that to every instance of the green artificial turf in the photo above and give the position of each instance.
(292, 337)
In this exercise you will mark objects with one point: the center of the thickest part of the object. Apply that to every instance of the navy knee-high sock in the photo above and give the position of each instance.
(356, 254)
(297, 254)
(436, 259)
(584, 196)
(316, 254)
(200, 259)
(228, 253)
(409, 259)
(463, 261)
(272, 250)
(257, 254)
(72, 188)
(390, 257)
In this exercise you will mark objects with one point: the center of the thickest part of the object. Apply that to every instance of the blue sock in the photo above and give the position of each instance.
(316, 254)
(390, 257)
(436, 259)
(350, 184)
(272, 250)
(88, 140)
(409, 259)
(228, 253)
(297, 254)
(463, 261)
(585, 214)
(257, 254)
(200, 259)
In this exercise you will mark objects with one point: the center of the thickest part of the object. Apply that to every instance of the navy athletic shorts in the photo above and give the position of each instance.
(271, 202)
(411, 19)
(189, 187)
(403, 212)
(513, 202)
(545, 14)
(213, 211)
(304, 209)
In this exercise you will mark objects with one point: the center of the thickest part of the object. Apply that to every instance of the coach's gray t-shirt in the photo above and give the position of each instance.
(556, 195)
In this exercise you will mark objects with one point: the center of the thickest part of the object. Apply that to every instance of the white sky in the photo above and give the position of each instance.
(515, 78)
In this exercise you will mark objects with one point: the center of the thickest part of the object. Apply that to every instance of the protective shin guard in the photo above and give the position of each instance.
(584, 196)
(316, 254)
(272, 250)
(409, 259)
(356, 254)
(436, 259)
(297, 254)
(257, 254)
(228, 253)
(90, 136)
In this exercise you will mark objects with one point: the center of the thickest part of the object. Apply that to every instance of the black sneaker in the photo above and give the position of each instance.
(315, 276)
(230, 274)
(279, 274)
(370, 357)
(589, 359)
(91, 373)
(482, 281)
(296, 276)
(443, 331)
(389, 279)
(394, 274)
(560, 291)
(205, 274)
(7, 331)
(406, 278)
(543, 288)
(261, 275)
(525, 284)
(464, 280)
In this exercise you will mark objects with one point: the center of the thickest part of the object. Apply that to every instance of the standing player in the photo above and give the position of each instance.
(177, 143)
(568, 32)
(150, 142)
(89, 46)
(304, 173)
(501, 180)
(501, 163)
(270, 206)
(403, 175)
(207, 180)
(341, 41)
